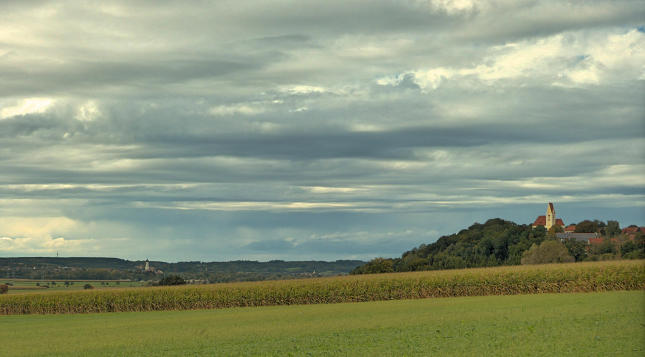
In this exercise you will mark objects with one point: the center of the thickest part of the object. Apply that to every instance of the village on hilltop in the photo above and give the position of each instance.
(556, 226)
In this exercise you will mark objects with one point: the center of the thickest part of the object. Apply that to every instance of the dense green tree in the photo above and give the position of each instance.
(606, 247)
(549, 251)
(576, 248)
(634, 249)
(496, 242)
(555, 229)
(613, 228)
(172, 280)
(374, 266)
(587, 226)
(499, 242)
(627, 247)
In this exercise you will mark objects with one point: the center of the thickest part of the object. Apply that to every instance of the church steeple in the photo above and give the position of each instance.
(550, 216)
(549, 219)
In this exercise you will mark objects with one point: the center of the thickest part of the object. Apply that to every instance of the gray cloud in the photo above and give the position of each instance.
(311, 131)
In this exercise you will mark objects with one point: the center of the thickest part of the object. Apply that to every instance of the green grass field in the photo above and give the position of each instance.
(596, 324)
(30, 286)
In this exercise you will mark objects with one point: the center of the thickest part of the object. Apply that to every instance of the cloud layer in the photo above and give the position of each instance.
(325, 130)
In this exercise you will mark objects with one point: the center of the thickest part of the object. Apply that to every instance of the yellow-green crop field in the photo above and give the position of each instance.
(552, 278)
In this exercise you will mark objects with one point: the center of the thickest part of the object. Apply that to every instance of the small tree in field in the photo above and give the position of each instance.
(550, 251)
(88, 286)
(4, 288)
(375, 266)
(172, 280)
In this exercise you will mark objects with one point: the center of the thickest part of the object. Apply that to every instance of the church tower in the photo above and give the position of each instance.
(550, 216)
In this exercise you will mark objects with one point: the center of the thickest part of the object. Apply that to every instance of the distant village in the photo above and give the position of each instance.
(149, 268)
(579, 233)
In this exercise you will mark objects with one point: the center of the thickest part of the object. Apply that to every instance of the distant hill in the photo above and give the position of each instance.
(498, 242)
(114, 268)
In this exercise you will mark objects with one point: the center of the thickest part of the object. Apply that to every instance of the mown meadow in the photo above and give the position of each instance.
(33, 286)
(583, 324)
(510, 280)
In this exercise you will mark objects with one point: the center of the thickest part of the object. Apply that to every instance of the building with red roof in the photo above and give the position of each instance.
(549, 220)
(631, 231)
(540, 221)
(596, 241)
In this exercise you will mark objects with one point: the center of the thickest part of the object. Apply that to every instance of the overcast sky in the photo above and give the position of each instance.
(311, 129)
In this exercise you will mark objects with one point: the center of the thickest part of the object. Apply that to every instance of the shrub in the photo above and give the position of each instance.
(550, 251)
(88, 286)
(172, 280)
(375, 266)
(4, 288)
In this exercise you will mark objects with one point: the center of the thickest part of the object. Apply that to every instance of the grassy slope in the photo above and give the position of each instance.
(609, 323)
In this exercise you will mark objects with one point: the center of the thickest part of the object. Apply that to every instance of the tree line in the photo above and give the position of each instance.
(87, 268)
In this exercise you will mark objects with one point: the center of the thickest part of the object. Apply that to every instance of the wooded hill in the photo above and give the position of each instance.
(498, 242)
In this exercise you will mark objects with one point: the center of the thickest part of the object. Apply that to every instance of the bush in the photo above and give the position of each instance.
(375, 266)
(550, 251)
(4, 288)
(172, 280)
(88, 286)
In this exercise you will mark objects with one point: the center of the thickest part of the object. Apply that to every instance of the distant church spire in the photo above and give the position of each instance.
(550, 216)
(549, 220)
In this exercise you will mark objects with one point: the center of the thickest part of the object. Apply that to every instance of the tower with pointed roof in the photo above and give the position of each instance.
(549, 219)
(550, 216)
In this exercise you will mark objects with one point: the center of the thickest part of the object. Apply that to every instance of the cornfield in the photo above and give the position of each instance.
(554, 278)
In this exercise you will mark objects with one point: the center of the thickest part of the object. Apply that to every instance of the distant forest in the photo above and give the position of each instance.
(499, 242)
(47, 268)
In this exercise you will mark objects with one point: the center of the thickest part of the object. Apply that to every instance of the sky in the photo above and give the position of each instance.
(259, 130)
